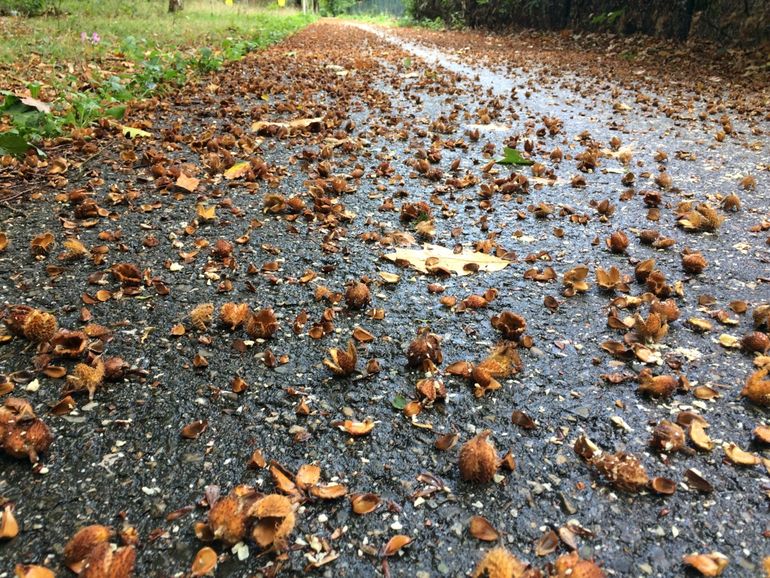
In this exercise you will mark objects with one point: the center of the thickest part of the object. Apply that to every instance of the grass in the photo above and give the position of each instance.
(380, 19)
(58, 38)
(97, 54)
(390, 20)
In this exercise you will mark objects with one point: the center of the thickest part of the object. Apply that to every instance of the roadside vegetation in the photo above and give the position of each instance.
(390, 20)
(86, 60)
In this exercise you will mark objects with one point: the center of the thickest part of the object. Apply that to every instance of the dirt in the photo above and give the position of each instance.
(385, 96)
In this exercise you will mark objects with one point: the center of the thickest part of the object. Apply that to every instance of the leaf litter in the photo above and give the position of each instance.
(223, 315)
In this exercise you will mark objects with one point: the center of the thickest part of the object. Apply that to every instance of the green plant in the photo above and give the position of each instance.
(207, 61)
(30, 121)
(608, 18)
(24, 7)
(335, 7)
(84, 109)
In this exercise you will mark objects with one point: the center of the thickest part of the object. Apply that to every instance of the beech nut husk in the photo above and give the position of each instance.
(478, 459)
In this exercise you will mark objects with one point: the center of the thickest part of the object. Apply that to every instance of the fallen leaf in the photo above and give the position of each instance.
(481, 529)
(395, 544)
(236, 171)
(132, 132)
(712, 564)
(364, 503)
(434, 258)
(355, 428)
(194, 429)
(206, 213)
(33, 571)
(205, 562)
(307, 475)
(291, 126)
(739, 457)
(513, 157)
(186, 183)
(330, 491)
(547, 543)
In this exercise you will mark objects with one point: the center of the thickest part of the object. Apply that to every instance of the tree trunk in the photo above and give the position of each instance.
(174, 5)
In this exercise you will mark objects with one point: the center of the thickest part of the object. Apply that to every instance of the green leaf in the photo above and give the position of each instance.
(116, 112)
(513, 157)
(34, 89)
(12, 143)
(399, 402)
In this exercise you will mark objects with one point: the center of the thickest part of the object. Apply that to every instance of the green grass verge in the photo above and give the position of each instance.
(392, 21)
(96, 55)
(58, 38)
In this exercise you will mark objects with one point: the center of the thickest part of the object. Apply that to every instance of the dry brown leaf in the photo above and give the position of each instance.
(206, 213)
(194, 429)
(342, 362)
(446, 441)
(307, 475)
(355, 428)
(205, 562)
(395, 544)
(362, 335)
(330, 491)
(481, 529)
(33, 571)
(712, 564)
(739, 457)
(188, 184)
(9, 527)
(699, 436)
(364, 503)
(292, 125)
(547, 543)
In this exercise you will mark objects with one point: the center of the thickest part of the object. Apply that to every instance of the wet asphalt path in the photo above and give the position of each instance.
(386, 99)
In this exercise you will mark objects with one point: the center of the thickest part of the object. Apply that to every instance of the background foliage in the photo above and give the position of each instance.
(729, 21)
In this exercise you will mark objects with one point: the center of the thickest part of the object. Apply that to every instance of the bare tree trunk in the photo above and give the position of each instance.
(174, 5)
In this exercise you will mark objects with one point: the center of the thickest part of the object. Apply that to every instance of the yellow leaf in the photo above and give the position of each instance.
(206, 213)
(237, 170)
(433, 258)
(729, 341)
(132, 132)
(389, 277)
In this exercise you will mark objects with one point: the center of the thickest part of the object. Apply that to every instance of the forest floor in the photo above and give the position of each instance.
(608, 281)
